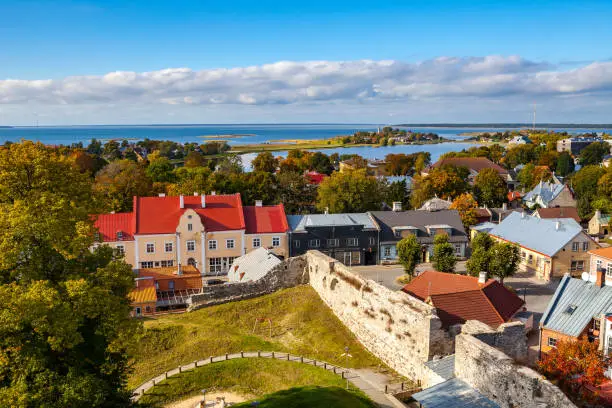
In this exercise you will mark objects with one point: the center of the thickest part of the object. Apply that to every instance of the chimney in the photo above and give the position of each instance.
(397, 206)
(181, 201)
(522, 214)
(557, 225)
(195, 193)
(597, 214)
(203, 200)
(600, 280)
(258, 203)
(161, 195)
(482, 277)
(505, 206)
(213, 193)
(326, 210)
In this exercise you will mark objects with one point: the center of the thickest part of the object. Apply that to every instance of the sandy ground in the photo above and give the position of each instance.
(211, 400)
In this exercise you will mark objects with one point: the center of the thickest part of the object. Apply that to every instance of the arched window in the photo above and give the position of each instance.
(191, 262)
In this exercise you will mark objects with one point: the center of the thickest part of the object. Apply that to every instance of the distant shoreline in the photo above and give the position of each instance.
(508, 125)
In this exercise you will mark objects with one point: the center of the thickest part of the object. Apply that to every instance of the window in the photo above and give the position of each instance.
(148, 309)
(138, 311)
(171, 286)
(372, 241)
(275, 241)
(150, 248)
(352, 241)
(168, 246)
(387, 251)
(530, 259)
(146, 264)
(609, 271)
(571, 309)
(552, 342)
(314, 243)
(212, 244)
(191, 245)
(523, 255)
(596, 323)
(256, 242)
(334, 242)
(575, 246)
(120, 250)
(296, 243)
(167, 264)
(97, 237)
(585, 246)
(214, 265)
(229, 243)
(598, 265)
(189, 227)
(457, 250)
(577, 266)
(119, 235)
(397, 233)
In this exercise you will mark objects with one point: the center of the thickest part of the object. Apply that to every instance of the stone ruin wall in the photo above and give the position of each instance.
(289, 273)
(400, 330)
(498, 376)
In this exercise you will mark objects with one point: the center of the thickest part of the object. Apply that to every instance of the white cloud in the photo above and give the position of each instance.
(378, 84)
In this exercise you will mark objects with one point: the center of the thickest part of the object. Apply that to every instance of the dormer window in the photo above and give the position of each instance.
(119, 235)
(571, 309)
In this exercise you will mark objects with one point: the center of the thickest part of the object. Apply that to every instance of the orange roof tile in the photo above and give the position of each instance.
(603, 252)
(144, 292)
(459, 298)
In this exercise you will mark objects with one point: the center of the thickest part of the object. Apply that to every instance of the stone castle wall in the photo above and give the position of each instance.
(400, 330)
(498, 377)
(289, 273)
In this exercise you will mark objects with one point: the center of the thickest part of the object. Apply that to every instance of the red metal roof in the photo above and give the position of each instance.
(315, 177)
(265, 219)
(110, 224)
(459, 298)
(160, 215)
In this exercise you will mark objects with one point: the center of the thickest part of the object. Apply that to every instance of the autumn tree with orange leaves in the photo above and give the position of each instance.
(574, 363)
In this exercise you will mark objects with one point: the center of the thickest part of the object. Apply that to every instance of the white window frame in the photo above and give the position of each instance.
(152, 246)
(457, 249)
(609, 270)
(276, 241)
(333, 243)
(314, 243)
(215, 265)
(352, 242)
(256, 242)
(212, 244)
(190, 227)
(372, 241)
(552, 342)
(296, 243)
(387, 251)
(575, 246)
(167, 263)
(169, 244)
(191, 243)
(585, 246)
(146, 264)
(230, 243)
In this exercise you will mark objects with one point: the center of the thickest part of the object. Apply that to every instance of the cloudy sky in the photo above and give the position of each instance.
(71, 62)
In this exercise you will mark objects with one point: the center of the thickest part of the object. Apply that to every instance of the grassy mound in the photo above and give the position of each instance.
(301, 324)
(313, 396)
(254, 377)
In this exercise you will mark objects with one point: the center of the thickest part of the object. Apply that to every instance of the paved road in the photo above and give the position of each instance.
(368, 381)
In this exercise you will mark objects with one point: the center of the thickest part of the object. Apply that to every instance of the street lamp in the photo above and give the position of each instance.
(346, 355)
(203, 391)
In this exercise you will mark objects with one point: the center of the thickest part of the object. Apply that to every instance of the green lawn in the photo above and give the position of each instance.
(301, 324)
(260, 378)
(313, 396)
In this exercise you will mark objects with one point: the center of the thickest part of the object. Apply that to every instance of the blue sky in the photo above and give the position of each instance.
(55, 40)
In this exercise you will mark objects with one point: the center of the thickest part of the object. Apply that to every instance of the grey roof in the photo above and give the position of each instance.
(589, 300)
(419, 219)
(545, 191)
(538, 234)
(299, 223)
(453, 394)
(444, 367)
(252, 266)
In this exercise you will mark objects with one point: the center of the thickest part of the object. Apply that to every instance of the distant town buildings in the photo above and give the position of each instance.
(474, 165)
(546, 194)
(574, 145)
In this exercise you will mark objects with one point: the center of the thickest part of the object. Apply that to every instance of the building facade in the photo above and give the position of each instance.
(204, 231)
(574, 145)
(424, 225)
(350, 238)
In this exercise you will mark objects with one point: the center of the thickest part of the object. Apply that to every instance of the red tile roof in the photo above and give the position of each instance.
(160, 215)
(459, 298)
(315, 177)
(265, 219)
(513, 195)
(110, 224)
(559, 212)
(474, 163)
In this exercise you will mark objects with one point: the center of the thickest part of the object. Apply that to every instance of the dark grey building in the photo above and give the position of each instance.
(395, 225)
(350, 238)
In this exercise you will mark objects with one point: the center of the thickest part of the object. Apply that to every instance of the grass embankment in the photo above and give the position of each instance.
(301, 324)
(307, 397)
(254, 378)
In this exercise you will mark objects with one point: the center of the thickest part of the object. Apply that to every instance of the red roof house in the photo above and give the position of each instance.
(459, 298)
(265, 219)
(115, 226)
(315, 177)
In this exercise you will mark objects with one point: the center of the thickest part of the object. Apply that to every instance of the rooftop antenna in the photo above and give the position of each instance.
(534, 116)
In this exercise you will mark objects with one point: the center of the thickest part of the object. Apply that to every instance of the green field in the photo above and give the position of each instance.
(260, 379)
(301, 324)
